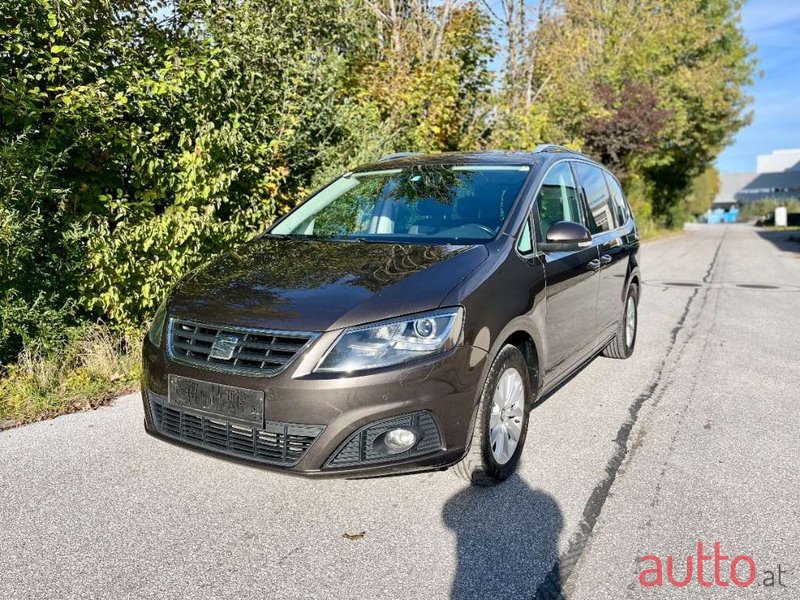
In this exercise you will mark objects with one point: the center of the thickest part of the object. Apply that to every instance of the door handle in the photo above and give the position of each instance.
(605, 259)
(594, 264)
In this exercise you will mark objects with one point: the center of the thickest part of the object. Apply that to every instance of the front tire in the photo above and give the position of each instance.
(501, 423)
(624, 342)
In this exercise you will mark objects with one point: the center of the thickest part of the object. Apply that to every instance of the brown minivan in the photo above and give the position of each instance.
(405, 317)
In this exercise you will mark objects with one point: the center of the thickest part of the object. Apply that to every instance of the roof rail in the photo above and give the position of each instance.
(397, 155)
(553, 148)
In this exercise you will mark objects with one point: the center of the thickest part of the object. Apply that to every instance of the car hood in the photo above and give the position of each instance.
(310, 285)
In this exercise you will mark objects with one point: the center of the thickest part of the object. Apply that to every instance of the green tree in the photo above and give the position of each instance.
(655, 88)
(427, 79)
(703, 191)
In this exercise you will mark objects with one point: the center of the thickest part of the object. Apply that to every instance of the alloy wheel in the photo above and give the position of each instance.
(505, 421)
(630, 321)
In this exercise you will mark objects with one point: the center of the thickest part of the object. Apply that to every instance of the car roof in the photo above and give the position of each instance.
(499, 157)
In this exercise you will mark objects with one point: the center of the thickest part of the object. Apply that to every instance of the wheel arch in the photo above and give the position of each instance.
(529, 343)
(634, 278)
(524, 341)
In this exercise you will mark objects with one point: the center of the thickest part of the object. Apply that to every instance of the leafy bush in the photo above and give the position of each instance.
(134, 146)
(37, 293)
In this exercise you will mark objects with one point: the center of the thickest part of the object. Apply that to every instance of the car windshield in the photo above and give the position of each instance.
(420, 204)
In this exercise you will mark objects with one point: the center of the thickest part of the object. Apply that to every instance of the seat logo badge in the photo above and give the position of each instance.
(224, 346)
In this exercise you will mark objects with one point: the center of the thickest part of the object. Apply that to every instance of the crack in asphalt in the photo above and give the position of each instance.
(554, 584)
(694, 379)
(665, 464)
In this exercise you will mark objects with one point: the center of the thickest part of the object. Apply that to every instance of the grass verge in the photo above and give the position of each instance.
(774, 228)
(94, 366)
(649, 232)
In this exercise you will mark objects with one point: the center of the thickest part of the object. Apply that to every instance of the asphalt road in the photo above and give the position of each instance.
(693, 439)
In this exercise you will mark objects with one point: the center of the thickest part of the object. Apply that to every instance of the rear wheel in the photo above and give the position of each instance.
(623, 343)
(501, 423)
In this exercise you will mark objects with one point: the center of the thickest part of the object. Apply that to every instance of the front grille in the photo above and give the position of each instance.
(256, 352)
(359, 449)
(276, 443)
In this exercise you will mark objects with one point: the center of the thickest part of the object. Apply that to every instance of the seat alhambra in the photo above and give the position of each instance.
(405, 317)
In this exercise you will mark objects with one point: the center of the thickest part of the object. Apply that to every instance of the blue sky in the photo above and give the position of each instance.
(773, 26)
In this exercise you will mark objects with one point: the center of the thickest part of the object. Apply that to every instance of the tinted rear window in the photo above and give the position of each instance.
(620, 206)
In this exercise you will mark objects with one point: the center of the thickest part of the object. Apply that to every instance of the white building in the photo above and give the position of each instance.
(729, 185)
(779, 160)
(777, 176)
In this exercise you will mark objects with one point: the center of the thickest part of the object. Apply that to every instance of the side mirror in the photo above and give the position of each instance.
(566, 236)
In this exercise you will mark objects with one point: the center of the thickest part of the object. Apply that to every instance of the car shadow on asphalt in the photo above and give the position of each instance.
(507, 541)
(785, 240)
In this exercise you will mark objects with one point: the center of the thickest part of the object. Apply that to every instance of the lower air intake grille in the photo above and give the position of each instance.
(277, 443)
(359, 448)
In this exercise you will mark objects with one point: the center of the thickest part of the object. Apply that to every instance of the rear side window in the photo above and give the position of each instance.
(558, 199)
(620, 206)
(601, 210)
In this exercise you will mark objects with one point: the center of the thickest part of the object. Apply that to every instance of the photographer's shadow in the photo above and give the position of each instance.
(507, 541)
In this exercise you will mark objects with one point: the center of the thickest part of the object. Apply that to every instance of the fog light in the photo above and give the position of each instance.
(399, 440)
(410, 435)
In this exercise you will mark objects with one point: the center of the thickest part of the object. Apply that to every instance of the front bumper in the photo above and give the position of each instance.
(321, 415)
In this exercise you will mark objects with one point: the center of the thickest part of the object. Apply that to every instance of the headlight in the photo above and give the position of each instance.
(394, 341)
(157, 325)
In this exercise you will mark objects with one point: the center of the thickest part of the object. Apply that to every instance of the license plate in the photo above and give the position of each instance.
(226, 401)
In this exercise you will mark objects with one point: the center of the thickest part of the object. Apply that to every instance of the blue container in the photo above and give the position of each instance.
(732, 215)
